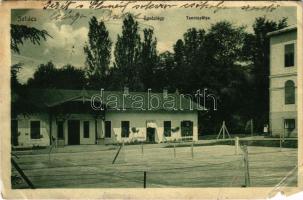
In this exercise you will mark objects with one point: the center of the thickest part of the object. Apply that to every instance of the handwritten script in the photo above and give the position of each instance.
(128, 6)
(149, 5)
(71, 15)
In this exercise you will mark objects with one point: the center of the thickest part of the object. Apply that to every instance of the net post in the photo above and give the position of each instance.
(223, 129)
(280, 142)
(144, 179)
(192, 150)
(251, 127)
(174, 150)
(246, 167)
(237, 145)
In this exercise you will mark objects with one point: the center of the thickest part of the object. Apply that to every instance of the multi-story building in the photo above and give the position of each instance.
(283, 82)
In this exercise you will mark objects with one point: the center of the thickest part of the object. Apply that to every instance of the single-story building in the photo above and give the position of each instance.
(41, 117)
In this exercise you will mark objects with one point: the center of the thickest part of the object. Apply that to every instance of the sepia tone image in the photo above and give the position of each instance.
(153, 95)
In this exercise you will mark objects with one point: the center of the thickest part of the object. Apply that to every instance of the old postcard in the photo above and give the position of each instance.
(151, 99)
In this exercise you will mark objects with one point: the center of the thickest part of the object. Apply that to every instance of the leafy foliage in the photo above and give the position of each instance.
(67, 77)
(20, 33)
(165, 72)
(148, 59)
(256, 51)
(14, 71)
(98, 53)
(127, 54)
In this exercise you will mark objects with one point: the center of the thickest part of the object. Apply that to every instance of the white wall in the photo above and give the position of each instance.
(24, 138)
(277, 44)
(278, 76)
(277, 94)
(136, 119)
(139, 120)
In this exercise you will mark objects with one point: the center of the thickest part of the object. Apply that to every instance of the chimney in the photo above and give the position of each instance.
(126, 90)
(177, 91)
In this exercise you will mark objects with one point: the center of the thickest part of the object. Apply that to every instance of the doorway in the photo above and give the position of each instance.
(150, 134)
(186, 128)
(74, 132)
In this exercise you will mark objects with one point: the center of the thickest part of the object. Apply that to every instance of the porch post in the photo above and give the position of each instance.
(96, 131)
(102, 134)
(99, 124)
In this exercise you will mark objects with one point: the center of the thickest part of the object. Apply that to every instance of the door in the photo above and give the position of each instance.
(150, 133)
(73, 132)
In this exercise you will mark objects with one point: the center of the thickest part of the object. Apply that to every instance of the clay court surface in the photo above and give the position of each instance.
(90, 166)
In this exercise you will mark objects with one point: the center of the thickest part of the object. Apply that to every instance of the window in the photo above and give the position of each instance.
(60, 130)
(186, 128)
(108, 129)
(86, 129)
(289, 58)
(35, 129)
(167, 128)
(289, 124)
(124, 128)
(289, 92)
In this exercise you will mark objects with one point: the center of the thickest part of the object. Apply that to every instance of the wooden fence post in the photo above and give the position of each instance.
(237, 145)
(25, 178)
(252, 127)
(246, 167)
(50, 151)
(174, 150)
(192, 150)
(113, 162)
(144, 180)
(123, 151)
(280, 142)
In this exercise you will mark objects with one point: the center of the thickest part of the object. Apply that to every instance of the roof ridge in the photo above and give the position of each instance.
(283, 30)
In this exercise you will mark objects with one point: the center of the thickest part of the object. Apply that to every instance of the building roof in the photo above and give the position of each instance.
(284, 30)
(47, 98)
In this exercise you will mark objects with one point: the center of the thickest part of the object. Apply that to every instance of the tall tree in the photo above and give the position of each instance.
(98, 53)
(224, 43)
(44, 76)
(180, 65)
(165, 75)
(148, 59)
(256, 50)
(195, 58)
(127, 51)
(70, 77)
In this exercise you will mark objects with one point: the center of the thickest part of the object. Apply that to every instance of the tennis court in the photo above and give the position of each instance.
(90, 166)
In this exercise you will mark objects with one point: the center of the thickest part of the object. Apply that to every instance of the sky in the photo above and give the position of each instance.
(68, 39)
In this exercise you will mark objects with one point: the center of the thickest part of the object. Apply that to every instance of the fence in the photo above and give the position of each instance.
(185, 164)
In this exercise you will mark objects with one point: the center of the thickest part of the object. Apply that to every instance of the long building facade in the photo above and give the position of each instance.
(70, 117)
